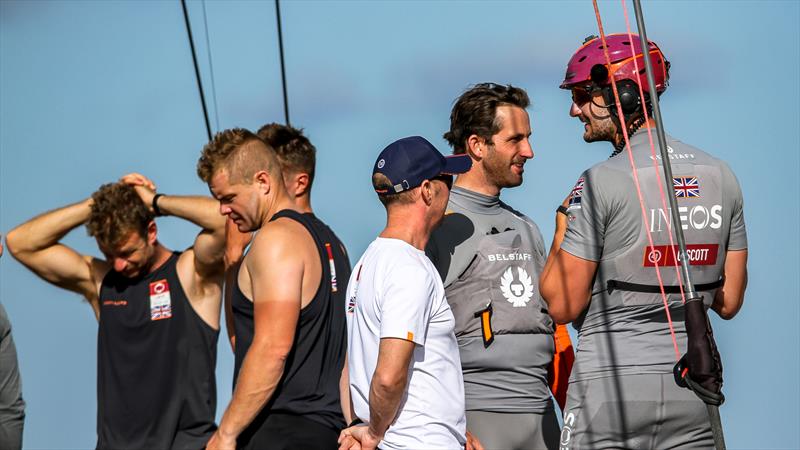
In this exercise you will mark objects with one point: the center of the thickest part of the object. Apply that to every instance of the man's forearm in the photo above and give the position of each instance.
(261, 371)
(384, 401)
(201, 211)
(47, 229)
(558, 238)
(231, 272)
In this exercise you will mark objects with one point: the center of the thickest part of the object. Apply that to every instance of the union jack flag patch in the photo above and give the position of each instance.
(576, 194)
(686, 187)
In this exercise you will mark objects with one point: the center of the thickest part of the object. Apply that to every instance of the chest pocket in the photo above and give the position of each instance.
(503, 273)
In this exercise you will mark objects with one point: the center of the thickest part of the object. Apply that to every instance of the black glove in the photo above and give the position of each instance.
(700, 369)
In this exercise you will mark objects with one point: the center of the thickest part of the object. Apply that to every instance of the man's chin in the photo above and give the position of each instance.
(589, 138)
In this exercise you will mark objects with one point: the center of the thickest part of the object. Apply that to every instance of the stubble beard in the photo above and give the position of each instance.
(500, 173)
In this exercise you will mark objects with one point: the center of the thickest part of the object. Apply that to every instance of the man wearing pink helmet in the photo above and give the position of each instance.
(601, 271)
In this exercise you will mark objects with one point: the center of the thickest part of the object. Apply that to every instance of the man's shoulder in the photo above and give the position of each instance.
(282, 237)
(394, 257)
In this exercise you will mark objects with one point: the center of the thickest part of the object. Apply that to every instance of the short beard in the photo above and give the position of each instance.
(499, 174)
(604, 130)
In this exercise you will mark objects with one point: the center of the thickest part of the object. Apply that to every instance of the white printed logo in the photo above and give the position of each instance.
(697, 217)
(566, 430)
(381, 163)
(654, 256)
(517, 293)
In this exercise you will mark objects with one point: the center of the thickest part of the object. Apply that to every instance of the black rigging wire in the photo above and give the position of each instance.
(211, 68)
(196, 68)
(283, 68)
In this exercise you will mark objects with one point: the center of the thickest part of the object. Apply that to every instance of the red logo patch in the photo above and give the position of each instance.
(699, 255)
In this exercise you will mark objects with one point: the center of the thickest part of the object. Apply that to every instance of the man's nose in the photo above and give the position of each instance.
(120, 264)
(574, 111)
(527, 150)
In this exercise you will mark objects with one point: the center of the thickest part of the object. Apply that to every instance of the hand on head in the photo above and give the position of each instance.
(143, 186)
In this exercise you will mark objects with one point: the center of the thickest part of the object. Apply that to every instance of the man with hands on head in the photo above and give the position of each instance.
(405, 374)
(157, 310)
(288, 308)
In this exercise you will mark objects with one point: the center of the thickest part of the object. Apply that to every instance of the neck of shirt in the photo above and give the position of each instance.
(475, 201)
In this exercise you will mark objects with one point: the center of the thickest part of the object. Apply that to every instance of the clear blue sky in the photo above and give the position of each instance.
(92, 90)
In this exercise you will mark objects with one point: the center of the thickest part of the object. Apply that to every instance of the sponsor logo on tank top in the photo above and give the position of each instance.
(334, 285)
(517, 291)
(697, 217)
(699, 255)
(160, 301)
(115, 303)
(494, 257)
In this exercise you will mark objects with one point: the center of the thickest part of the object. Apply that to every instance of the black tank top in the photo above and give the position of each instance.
(155, 365)
(310, 383)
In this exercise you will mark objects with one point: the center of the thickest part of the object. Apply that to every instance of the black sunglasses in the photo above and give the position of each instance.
(446, 179)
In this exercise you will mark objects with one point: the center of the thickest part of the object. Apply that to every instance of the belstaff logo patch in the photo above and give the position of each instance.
(160, 301)
(517, 292)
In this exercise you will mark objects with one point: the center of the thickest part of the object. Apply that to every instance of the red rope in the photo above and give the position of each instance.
(653, 149)
(636, 177)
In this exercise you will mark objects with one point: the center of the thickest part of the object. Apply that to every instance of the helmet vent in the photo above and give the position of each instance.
(626, 43)
(583, 58)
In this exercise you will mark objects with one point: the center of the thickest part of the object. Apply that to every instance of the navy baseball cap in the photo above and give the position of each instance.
(410, 161)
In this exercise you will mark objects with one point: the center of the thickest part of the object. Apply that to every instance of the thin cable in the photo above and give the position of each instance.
(211, 68)
(713, 409)
(636, 179)
(283, 66)
(653, 147)
(196, 68)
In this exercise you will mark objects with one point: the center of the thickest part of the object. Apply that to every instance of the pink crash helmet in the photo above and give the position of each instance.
(579, 68)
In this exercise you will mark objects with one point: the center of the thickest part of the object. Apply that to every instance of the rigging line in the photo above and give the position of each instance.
(653, 147)
(211, 68)
(713, 409)
(623, 125)
(196, 68)
(662, 141)
(283, 67)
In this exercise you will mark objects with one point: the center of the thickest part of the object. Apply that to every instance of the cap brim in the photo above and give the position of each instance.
(456, 164)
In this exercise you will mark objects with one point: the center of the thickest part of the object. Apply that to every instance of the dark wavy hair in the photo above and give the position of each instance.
(295, 152)
(117, 210)
(475, 112)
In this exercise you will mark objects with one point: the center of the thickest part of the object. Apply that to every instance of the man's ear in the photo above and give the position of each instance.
(302, 183)
(426, 191)
(152, 232)
(476, 146)
(263, 181)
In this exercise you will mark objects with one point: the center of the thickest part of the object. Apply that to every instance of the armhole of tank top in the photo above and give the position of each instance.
(177, 254)
(319, 244)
